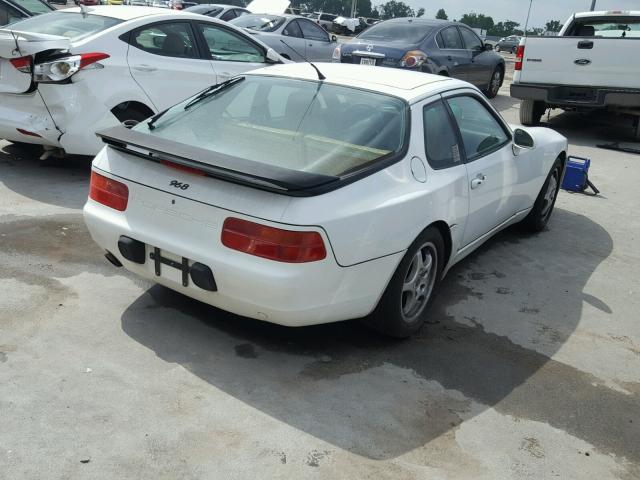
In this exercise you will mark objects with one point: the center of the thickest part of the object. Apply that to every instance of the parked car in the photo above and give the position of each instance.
(432, 46)
(82, 71)
(588, 67)
(138, 3)
(509, 44)
(348, 26)
(12, 11)
(304, 38)
(325, 20)
(374, 183)
(57, 2)
(222, 12)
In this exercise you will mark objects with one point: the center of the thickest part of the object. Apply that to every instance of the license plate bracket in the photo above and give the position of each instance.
(158, 260)
(367, 61)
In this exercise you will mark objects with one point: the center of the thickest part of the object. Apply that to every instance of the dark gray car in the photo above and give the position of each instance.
(304, 36)
(508, 44)
(431, 46)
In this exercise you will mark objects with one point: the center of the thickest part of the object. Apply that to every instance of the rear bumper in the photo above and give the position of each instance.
(28, 113)
(578, 96)
(282, 293)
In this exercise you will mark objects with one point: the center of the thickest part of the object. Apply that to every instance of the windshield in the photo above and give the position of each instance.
(36, 7)
(261, 23)
(73, 26)
(397, 32)
(295, 124)
(623, 27)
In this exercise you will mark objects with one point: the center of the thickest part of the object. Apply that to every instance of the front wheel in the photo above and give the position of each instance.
(497, 49)
(494, 84)
(403, 306)
(539, 215)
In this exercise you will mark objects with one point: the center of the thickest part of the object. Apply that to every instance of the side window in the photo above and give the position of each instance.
(240, 13)
(481, 132)
(9, 15)
(451, 38)
(167, 39)
(292, 30)
(440, 141)
(228, 15)
(225, 45)
(471, 40)
(311, 31)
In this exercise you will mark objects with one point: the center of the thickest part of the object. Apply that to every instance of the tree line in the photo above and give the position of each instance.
(397, 8)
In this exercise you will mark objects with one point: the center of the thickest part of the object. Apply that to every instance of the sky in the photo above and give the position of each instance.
(541, 12)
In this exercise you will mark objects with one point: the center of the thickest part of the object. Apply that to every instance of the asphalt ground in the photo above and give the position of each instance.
(528, 367)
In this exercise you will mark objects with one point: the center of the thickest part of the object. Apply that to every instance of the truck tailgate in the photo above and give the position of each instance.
(580, 61)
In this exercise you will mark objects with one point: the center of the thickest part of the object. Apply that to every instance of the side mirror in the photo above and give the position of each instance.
(488, 47)
(334, 39)
(273, 56)
(522, 140)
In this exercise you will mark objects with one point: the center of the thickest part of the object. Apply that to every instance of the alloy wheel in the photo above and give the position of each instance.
(550, 195)
(419, 281)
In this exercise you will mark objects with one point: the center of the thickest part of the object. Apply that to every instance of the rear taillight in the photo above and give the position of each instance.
(272, 243)
(414, 58)
(22, 64)
(63, 68)
(519, 57)
(108, 192)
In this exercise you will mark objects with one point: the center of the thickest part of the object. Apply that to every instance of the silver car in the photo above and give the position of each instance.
(292, 36)
(214, 10)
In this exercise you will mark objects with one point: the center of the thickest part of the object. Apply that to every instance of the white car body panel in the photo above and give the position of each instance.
(272, 7)
(366, 225)
(88, 99)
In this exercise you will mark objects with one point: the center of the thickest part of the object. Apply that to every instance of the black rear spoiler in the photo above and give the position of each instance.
(217, 165)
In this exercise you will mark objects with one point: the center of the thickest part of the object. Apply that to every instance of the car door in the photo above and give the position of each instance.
(165, 61)
(295, 40)
(453, 54)
(447, 182)
(492, 170)
(480, 69)
(318, 43)
(230, 53)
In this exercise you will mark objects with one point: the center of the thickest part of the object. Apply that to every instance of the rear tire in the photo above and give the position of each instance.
(130, 114)
(495, 83)
(531, 111)
(539, 215)
(402, 309)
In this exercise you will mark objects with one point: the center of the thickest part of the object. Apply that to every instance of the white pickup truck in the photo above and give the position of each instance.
(593, 63)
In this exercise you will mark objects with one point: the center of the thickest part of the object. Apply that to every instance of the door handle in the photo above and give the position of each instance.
(585, 44)
(479, 180)
(144, 68)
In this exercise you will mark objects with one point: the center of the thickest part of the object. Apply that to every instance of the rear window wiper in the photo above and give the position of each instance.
(212, 90)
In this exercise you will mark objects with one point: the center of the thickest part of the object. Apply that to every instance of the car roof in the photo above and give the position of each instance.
(607, 13)
(391, 81)
(122, 12)
(431, 22)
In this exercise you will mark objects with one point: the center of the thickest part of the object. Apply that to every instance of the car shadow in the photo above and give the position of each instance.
(381, 398)
(587, 129)
(63, 182)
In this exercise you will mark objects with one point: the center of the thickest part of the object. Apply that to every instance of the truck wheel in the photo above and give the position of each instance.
(531, 111)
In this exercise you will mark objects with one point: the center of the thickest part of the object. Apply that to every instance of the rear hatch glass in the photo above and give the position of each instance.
(314, 130)
(397, 32)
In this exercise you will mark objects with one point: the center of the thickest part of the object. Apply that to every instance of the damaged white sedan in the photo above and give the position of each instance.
(300, 197)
